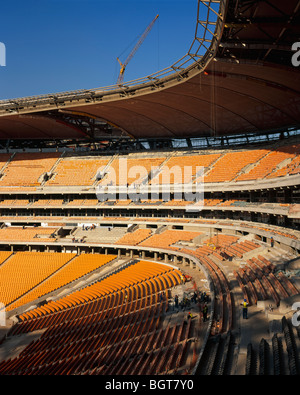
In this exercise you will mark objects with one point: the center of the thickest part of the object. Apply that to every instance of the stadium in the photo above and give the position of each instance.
(153, 227)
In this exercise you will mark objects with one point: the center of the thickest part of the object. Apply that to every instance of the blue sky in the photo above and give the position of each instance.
(60, 45)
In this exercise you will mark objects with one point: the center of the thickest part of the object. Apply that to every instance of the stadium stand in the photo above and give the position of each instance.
(259, 281)
(268, 164)
(76, 171)
(134, 171)
(228, 167)
(136, 237)
(74, 269)
(27, 233)
(174, 168)
(26, 169)
(167, 238)
(153, 283)
(84, 171)
(28, 269)
(125, 314)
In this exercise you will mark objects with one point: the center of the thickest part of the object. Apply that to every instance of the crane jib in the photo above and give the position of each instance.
(136, 47)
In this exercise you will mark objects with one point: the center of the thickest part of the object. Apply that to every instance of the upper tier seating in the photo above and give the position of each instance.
(130, 170)
(25, 169)
(228, 167)
(269, 163)
(183, 169)
(292, 167)
(4, 158)
(77, 171)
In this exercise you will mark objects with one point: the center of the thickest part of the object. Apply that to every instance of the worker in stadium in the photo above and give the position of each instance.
(176, 301)
(272, 242)
(245, 309)
(194, 297)
(162, 296)
(190, 315)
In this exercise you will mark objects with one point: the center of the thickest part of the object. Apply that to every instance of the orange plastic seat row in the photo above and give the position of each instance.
(25, 169)
(133, 171)
(168, 237)
(27, 269)
(135, 237)
(119, 281)
(77, 171)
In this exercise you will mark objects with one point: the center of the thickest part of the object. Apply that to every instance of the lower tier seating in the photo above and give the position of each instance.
(95, 330)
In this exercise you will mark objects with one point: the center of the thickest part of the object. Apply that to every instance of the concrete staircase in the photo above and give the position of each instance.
(100, 234)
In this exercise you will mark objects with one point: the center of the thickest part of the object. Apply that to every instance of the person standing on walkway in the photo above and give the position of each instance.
(194, 297)
(162, 296)
(176, 301)
(245, 309)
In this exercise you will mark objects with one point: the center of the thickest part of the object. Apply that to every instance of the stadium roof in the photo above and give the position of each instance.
(237, 77)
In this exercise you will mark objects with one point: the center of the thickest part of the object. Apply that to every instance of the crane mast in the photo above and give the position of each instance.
(136, 47)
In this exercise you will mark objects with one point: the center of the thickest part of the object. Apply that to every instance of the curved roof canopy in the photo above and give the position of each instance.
(245, 82)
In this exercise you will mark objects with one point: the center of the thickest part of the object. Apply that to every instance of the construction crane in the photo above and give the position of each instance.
(138, 44)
